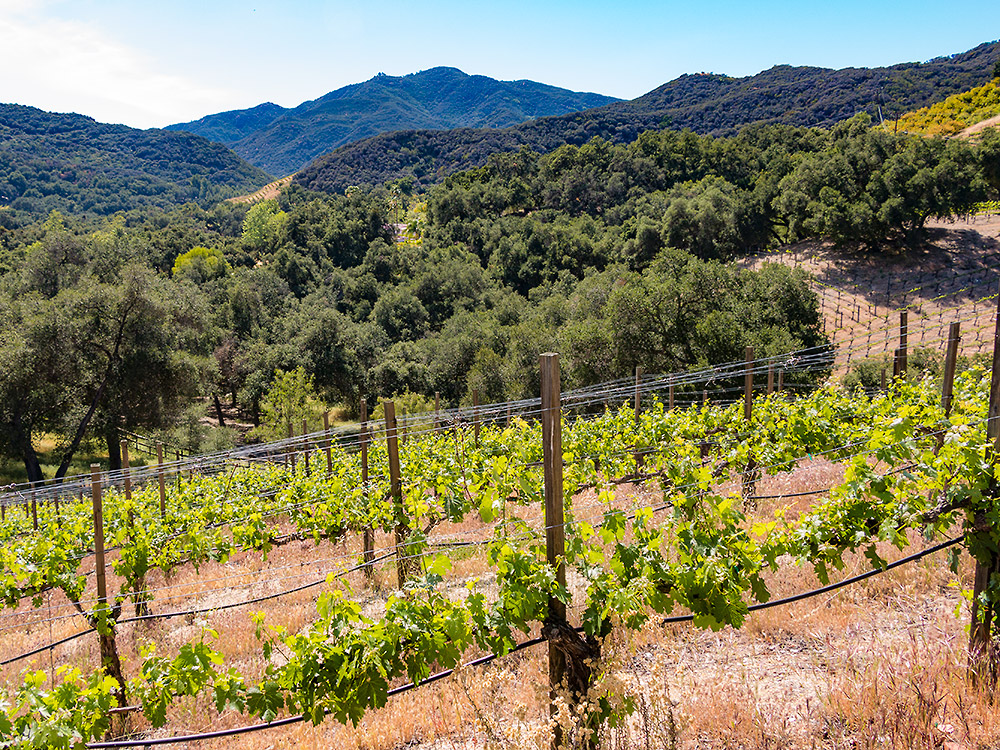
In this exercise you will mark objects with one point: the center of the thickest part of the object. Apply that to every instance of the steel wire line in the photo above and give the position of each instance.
(763, 468)
(623, 387)
(493, 656)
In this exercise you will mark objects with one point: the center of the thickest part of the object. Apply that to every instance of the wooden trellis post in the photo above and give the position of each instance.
(161, 479)
(950, 362)
(750, 472)
(396, 490)
(983, 656)
(902, 343)
(305, 444)
(638, 412)
(127, 482)
(328, 442)
(102, 611)
(555, 539)
(368, 535)
(475, 414)
(571, 657)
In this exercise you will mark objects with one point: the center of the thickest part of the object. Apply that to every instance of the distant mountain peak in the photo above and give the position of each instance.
(283, 140)
(707, 103)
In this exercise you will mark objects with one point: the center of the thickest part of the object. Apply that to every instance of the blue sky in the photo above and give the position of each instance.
(148, 64)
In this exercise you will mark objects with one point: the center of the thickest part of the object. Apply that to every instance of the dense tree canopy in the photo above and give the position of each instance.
(615, 255)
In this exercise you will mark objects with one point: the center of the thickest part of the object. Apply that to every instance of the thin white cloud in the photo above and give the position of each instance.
(65, 65)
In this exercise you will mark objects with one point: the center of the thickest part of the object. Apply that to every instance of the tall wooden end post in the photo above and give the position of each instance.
(983, 656)
(396, 490)
(750, 473)
(555, 538)
(571, 656)
(368, 535)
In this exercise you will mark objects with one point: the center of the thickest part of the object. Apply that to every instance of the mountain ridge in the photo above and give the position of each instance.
(74, 164)
(707, 103)
(437, 98)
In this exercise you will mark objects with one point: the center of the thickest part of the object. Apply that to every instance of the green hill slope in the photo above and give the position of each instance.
(283, 140)
(706, 103)
(955, 113)
(76, 165)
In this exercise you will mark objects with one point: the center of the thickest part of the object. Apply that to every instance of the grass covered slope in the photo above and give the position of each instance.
(76, 165)
(706, 103)
(282, 141)
(956, 113)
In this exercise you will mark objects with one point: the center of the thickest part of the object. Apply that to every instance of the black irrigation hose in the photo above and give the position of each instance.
(257, 600)
(491, 657)
(204, 610)
(295, 719)
(46, 647)
(833, 586)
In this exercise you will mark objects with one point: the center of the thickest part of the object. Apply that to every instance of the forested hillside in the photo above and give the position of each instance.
(613, 255)
(705, 103)
(282, 141)
(75, 165)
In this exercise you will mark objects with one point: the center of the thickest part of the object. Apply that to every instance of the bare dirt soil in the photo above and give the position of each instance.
(954, 275)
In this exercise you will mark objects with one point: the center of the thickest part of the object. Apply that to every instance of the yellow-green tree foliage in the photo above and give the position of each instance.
(956, 112)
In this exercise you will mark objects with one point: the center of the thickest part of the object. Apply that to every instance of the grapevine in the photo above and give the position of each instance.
(907, 468)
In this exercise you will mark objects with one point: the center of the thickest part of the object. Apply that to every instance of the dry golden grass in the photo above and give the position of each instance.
(879, 664)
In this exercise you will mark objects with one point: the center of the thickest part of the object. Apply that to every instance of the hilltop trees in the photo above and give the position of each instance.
(91, 347)
(616, 256)
(870, 187)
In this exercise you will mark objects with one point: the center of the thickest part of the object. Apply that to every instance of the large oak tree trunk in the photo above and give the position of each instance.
(114, 449)
(22, 438)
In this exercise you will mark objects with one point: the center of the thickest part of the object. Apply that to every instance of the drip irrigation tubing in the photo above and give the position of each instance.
(199, 611)
(235, 731)
(295, 719)
(833, 586)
